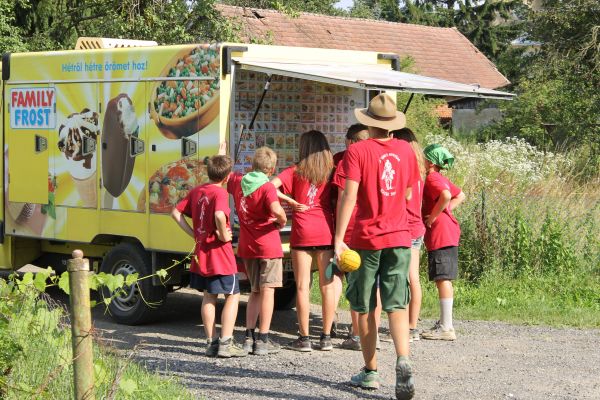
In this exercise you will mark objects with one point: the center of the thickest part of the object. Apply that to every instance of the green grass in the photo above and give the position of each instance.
(569, 300)
(35, 357)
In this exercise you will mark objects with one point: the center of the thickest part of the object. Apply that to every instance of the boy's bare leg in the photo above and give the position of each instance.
(328, 289)
(368, 338)
(416, 294)
(229, 314)
(399, 331)
(301, 262)
(252, 310)
(445, 289)
(267, 301)
(209, 302)
(354, 318)
(378, 310)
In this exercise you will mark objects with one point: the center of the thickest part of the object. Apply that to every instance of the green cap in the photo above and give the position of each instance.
(439, 155)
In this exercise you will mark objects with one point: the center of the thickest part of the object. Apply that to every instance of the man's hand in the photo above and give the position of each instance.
(340, 247)
(298, 207)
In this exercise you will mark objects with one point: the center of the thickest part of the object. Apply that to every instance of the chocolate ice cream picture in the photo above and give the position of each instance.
(73, 134)
(118, 156)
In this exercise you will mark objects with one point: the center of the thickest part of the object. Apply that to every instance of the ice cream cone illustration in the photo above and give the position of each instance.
(78, 143)
(119, 134)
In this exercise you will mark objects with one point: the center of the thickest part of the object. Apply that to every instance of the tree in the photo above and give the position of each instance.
(290, 6)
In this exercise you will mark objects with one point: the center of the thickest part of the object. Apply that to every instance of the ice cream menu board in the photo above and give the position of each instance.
(292, 106)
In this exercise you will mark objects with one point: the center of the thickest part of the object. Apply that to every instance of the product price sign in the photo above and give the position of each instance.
(33, 108)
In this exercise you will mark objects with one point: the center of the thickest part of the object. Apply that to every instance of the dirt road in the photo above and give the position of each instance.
(489, 360)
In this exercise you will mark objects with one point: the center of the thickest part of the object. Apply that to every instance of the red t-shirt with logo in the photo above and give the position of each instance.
(259, 236)
(383, 169)
(213, 257)
(413, 207)
(339, 181)
(444, 231)
(313, 227)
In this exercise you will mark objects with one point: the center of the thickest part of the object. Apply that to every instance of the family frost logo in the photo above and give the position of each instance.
(388, 175)
(312, 192)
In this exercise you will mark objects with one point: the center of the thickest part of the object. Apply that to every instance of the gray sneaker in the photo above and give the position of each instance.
(366, 380)
(325, 343)
(212, 347)
(386, 337)
(248, 345)
(262, 348)
(230, 348)
(300, 344)
(414, 335)
(351, 343)
(439, 334)
(405, 383)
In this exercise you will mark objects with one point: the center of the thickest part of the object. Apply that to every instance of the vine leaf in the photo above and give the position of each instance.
(63, 282)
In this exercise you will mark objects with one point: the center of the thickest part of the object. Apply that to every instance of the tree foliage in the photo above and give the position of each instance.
(290, 6)
(56, 24)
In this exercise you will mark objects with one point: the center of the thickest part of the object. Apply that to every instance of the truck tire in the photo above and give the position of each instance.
(140, 301)
(285, 297)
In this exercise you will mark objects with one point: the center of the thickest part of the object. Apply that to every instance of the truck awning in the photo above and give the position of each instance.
(371, 77)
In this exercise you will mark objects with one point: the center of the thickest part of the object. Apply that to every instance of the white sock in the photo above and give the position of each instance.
(446, 313)
(224, 339)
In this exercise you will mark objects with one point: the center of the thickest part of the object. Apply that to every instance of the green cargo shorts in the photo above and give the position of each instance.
(391, 267)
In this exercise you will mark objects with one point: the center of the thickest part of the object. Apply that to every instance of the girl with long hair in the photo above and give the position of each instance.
(309, 183)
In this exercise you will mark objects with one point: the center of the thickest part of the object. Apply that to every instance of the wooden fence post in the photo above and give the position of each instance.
(81, 326)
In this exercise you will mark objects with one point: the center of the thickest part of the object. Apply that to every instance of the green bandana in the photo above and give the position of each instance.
(252, 181)
(439, 156)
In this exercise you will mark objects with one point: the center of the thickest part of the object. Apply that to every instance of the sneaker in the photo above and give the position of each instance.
(262, 348)
(351, 343)
(366, 380)
(386, 337)
(230, 348)
(212, 347)
(300, 344)
(437, 332)
(248, 345)
(325, 343)
(414, 335)
(405, 383)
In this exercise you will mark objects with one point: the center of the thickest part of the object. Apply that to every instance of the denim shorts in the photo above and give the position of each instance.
(417, 243)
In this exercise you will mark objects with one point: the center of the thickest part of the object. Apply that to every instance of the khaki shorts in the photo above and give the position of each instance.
(264, 272)
(389, 267)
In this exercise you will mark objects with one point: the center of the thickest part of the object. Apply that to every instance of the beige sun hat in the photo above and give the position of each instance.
(381, 113)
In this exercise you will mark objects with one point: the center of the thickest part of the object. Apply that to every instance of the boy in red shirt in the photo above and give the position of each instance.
(379, 174)
(213, 269)
(260, 215)
(440, 197)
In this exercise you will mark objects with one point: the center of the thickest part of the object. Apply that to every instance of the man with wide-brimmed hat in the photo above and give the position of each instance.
(379, 172)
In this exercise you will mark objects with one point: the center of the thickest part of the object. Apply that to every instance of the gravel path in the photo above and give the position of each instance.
(490, 360)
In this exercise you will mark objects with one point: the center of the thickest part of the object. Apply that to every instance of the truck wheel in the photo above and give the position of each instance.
(285, 297)
(136, 304)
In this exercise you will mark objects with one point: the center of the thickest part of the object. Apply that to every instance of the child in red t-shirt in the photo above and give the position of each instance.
(440, 197)
(260, 215)
(213, 270)
(309, 183)
(417, 230)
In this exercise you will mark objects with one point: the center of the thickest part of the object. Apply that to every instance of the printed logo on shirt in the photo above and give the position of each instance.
(244, 211)
(312, 192)
(203, 203)
(388, 165)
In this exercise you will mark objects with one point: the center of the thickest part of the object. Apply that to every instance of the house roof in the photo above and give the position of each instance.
(442, 53)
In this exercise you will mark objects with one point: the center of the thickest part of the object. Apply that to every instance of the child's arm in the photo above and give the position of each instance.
(440, 206)
(182, 222)
(295, 205)
(348, 201)
(279, 214)
(223, 232)
(456, 201)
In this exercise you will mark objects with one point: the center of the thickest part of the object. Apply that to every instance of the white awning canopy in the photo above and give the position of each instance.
(371, 77)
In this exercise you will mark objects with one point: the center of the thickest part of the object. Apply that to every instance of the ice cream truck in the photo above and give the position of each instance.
(102, 141)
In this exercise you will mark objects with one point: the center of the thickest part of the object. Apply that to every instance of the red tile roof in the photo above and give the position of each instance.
(437, 52)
